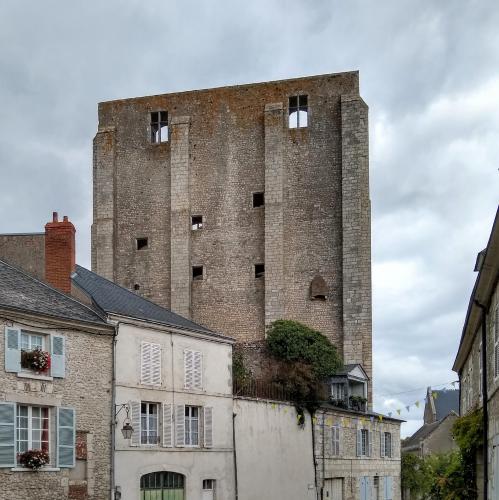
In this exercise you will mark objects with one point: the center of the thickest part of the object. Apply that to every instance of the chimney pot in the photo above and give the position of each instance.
(65, 218)
(55, 217)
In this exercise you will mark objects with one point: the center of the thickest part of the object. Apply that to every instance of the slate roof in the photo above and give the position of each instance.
(424, 431)
(445, 402)
(19, 291)
(112, 298)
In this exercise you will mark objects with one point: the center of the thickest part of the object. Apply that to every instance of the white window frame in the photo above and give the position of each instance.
(146, 430)
(191, 423)
(338, 391)
(298, 109)
(30, 428)
(31, 335)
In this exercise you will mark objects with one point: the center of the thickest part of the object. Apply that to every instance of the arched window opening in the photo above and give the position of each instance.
(319, 289)
(162, 485)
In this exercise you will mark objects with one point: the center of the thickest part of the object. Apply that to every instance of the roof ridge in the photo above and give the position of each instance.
(50, 287)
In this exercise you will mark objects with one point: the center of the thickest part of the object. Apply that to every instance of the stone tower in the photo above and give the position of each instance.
(241, 205)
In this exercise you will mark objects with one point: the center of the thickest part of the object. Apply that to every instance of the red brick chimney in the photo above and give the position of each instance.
(59, 253)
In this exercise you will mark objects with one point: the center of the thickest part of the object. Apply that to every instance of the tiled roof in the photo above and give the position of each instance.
(19, 291)
(112, 298)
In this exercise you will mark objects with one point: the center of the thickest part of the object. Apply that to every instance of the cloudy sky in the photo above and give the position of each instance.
(429, 72)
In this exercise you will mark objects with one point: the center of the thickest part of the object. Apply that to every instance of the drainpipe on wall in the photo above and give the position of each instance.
(316, 482)
(485, 404)
(113, 409)
(323, 456)
(234, 415)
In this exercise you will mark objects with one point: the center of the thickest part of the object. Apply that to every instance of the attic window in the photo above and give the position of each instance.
(159, 127)
(142, 243)
(258, 199)
(298, 111)
(197, 273)
(136, 287)
(196, 222)
(259, 270)
(318, 289)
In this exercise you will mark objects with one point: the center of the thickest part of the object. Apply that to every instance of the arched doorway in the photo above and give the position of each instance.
(162, 485)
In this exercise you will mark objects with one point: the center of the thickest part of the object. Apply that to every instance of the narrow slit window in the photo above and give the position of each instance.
(197, 273)
(298, 111)
(159, 127)
(196, 222)
(142, 243)
(259, 270)
(258, 199)
(136, 287)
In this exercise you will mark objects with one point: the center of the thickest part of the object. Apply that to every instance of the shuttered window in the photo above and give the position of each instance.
(167, 425)
(364, 443)
(208, 426)
(193, 369)
(150, 364)
(335, 441)
(386, 444)
(7, 434)
(66, 423)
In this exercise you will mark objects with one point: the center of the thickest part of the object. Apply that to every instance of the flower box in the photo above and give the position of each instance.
(36, 360)
(34, 459)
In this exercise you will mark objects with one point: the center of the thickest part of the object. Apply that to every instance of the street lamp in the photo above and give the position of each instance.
(127, 429)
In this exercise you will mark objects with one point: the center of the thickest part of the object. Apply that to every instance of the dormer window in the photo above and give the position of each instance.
(349, 388)
(298, 111)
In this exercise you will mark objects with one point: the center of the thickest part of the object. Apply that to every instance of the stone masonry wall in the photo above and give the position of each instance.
(25, 251)
(315, 222)
(87, 389)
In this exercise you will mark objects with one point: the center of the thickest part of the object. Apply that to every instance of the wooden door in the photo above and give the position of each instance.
(333, 489)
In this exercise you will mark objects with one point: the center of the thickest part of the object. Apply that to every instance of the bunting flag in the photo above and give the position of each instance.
(380, 418)
(272, 406)
(390, 414)
(417, 404)
(329, 421)
(314, 420)
(407, 408)
(434, 395)
(372, 419)
(285, 410)
(398, 411)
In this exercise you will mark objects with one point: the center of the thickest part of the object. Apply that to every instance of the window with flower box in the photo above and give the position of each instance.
(32, 429)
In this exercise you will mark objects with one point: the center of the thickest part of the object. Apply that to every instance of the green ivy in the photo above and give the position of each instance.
(306, 359)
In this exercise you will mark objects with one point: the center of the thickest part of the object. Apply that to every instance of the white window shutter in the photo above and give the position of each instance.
(179, 425)
(208, 427)
(135, 410)
(155, 364)
(370, 444)
(66, 434)
(338, 429)
(359, 442)
(382, 444)
(167, 425)
(145, 363)
(57, 356)
(188, 369)
(7, 434)
(198, 370)
(12, 350)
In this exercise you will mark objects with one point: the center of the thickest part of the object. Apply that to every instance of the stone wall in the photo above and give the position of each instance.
(86, 388)
(25, 251)
(235, 142)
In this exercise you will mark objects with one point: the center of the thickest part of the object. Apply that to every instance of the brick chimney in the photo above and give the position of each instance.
(59, 253)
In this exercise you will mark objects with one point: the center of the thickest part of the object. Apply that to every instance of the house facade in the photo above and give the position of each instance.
(477, 361)
(55, 393)
(173, 385)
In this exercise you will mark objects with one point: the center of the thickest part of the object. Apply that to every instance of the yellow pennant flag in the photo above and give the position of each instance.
(434, 395)
(398, 411)
(329, 421)
(314, 420)
(417, 404)
(380, 418)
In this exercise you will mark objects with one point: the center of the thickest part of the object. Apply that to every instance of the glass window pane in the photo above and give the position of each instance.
(164, 133)
(154, 117)
(164, 116)
(293, 119)
(303, 101)
(303, 118)
(36, 341)
(293, 102)
(24, 341)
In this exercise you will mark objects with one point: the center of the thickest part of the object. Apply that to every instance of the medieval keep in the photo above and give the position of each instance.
(238, 206)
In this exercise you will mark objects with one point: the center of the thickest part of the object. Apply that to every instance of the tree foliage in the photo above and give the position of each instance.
(304, 359)
(294, 342)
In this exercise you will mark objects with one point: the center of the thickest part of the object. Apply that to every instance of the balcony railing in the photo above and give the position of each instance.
(355, 403)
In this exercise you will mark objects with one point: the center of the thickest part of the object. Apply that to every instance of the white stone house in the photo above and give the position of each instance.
(173, 381)
(61, 409)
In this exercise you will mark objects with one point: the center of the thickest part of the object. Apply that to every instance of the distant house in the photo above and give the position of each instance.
(434, 436)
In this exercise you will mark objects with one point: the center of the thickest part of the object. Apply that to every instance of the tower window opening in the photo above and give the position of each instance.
(258, 199)
(298, 111)
(259, 270)
(142, 243)
(197, 273)
(159, 127)
(196, 222)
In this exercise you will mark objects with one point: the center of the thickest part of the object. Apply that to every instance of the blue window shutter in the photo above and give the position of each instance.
(66, 423)
(57, 356)
(12, 350)
(7, 434)
(388, 488)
